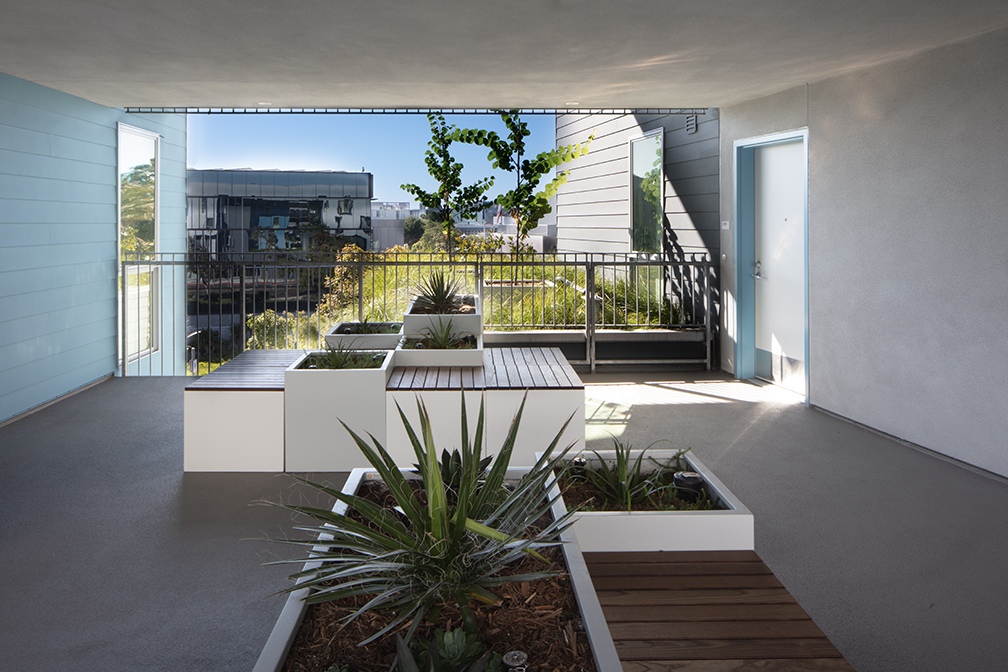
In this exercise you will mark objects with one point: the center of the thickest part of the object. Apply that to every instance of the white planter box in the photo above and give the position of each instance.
(729, 529)
(335, 338)
(462, 323)
(233, 430)
(315, 400)
(546, 409)
(275, 651)
(443, 409)
(504, 290)
(431, 357)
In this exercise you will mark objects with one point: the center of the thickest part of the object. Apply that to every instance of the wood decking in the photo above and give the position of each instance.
(250, 370)
(706, 611)
(503, 369)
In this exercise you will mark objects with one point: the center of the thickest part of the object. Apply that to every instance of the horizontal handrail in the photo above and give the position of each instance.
(284, 300)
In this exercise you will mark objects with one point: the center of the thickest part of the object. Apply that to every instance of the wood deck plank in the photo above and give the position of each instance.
(538, 377)
(685, 582)
(726, 648)
(678, 598)
(705, 612)
(545, 367)
(739, 665)
(757, 629)
(681, 569)
(599, 558)
(720, 611)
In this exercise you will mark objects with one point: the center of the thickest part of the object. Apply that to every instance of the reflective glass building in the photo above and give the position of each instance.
(234, 211)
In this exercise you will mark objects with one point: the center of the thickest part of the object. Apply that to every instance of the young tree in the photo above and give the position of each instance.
(413, 229)
(451, 198)
(525, 205)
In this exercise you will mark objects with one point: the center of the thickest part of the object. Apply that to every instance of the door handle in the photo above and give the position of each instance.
(758, 275)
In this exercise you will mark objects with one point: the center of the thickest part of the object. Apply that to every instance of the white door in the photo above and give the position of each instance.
(779, 173)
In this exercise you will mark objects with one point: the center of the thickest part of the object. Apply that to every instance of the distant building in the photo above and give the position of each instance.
(234, 211)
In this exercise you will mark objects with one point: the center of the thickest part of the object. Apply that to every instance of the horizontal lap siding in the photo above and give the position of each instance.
(58, 268)
(593, 207)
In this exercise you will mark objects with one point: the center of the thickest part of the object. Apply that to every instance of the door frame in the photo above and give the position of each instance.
(744, 152)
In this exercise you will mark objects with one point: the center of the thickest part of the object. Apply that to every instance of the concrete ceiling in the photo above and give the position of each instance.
(463, 53)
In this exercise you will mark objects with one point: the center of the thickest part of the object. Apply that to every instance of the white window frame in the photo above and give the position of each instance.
(126, 355)
(660, 134)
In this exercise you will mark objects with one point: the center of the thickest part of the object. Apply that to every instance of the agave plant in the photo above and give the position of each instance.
(625, 481)
(437, 294)
(452, 651)
(429, 551)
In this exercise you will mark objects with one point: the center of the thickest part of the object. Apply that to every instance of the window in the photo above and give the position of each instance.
(138, 239)
(646, 191)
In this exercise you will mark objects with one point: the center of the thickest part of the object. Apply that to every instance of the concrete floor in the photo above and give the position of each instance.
(113, 559)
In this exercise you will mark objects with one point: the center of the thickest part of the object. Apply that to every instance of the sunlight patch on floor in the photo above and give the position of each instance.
(604, 419)
(714, 392)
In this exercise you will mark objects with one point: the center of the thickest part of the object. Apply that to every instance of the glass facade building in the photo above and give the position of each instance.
(235, 211)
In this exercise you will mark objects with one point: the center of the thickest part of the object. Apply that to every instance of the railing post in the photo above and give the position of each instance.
(360, 290)
(478, 279)
(122, 289)
(707, 311)
(244, 309)
(590, 311)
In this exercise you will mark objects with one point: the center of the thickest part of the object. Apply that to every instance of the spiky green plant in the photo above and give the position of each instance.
(428, 552)
(437, 293)
(452, 651)
(344, 357)
(442, 336)
(624, 481)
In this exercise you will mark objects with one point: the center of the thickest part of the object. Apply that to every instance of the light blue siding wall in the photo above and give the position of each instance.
(58, 222)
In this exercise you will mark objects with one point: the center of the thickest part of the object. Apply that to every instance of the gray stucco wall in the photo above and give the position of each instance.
(58, 231)
(908, 243)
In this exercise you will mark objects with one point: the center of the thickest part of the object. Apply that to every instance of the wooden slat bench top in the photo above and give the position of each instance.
(503, 369)
(706, 611)
(250, 370)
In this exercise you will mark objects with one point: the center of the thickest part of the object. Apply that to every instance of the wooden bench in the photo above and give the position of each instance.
(555, 392)
(234, 416)
(704, 611)
(235, 419)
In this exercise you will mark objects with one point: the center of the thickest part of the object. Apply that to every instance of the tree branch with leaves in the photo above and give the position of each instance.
(450, 198)
(524, 203)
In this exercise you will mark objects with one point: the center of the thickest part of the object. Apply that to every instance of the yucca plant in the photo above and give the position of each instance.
(429, 551)
(437, 293)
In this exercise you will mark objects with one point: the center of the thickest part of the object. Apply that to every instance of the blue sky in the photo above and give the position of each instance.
(389, 146)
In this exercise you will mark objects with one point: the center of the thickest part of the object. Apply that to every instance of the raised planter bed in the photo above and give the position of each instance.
(275, 651)
(346, 335)
(462, 323)
(505, 290)
(434, 357)
(727, 529)
(314, 402)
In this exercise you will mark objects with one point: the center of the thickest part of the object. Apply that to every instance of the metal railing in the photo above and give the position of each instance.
(270, 300)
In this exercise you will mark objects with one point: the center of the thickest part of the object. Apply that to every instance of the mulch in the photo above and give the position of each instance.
(538, 617)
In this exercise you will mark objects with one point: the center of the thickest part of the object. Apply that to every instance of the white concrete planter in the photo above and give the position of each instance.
(432, 357)
(315, 400)
(335, 338)
(729, 529)
(275, 651)
(462, 323)
(505, 290)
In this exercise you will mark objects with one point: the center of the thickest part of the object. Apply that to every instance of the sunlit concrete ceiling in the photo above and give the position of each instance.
(463, 53)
